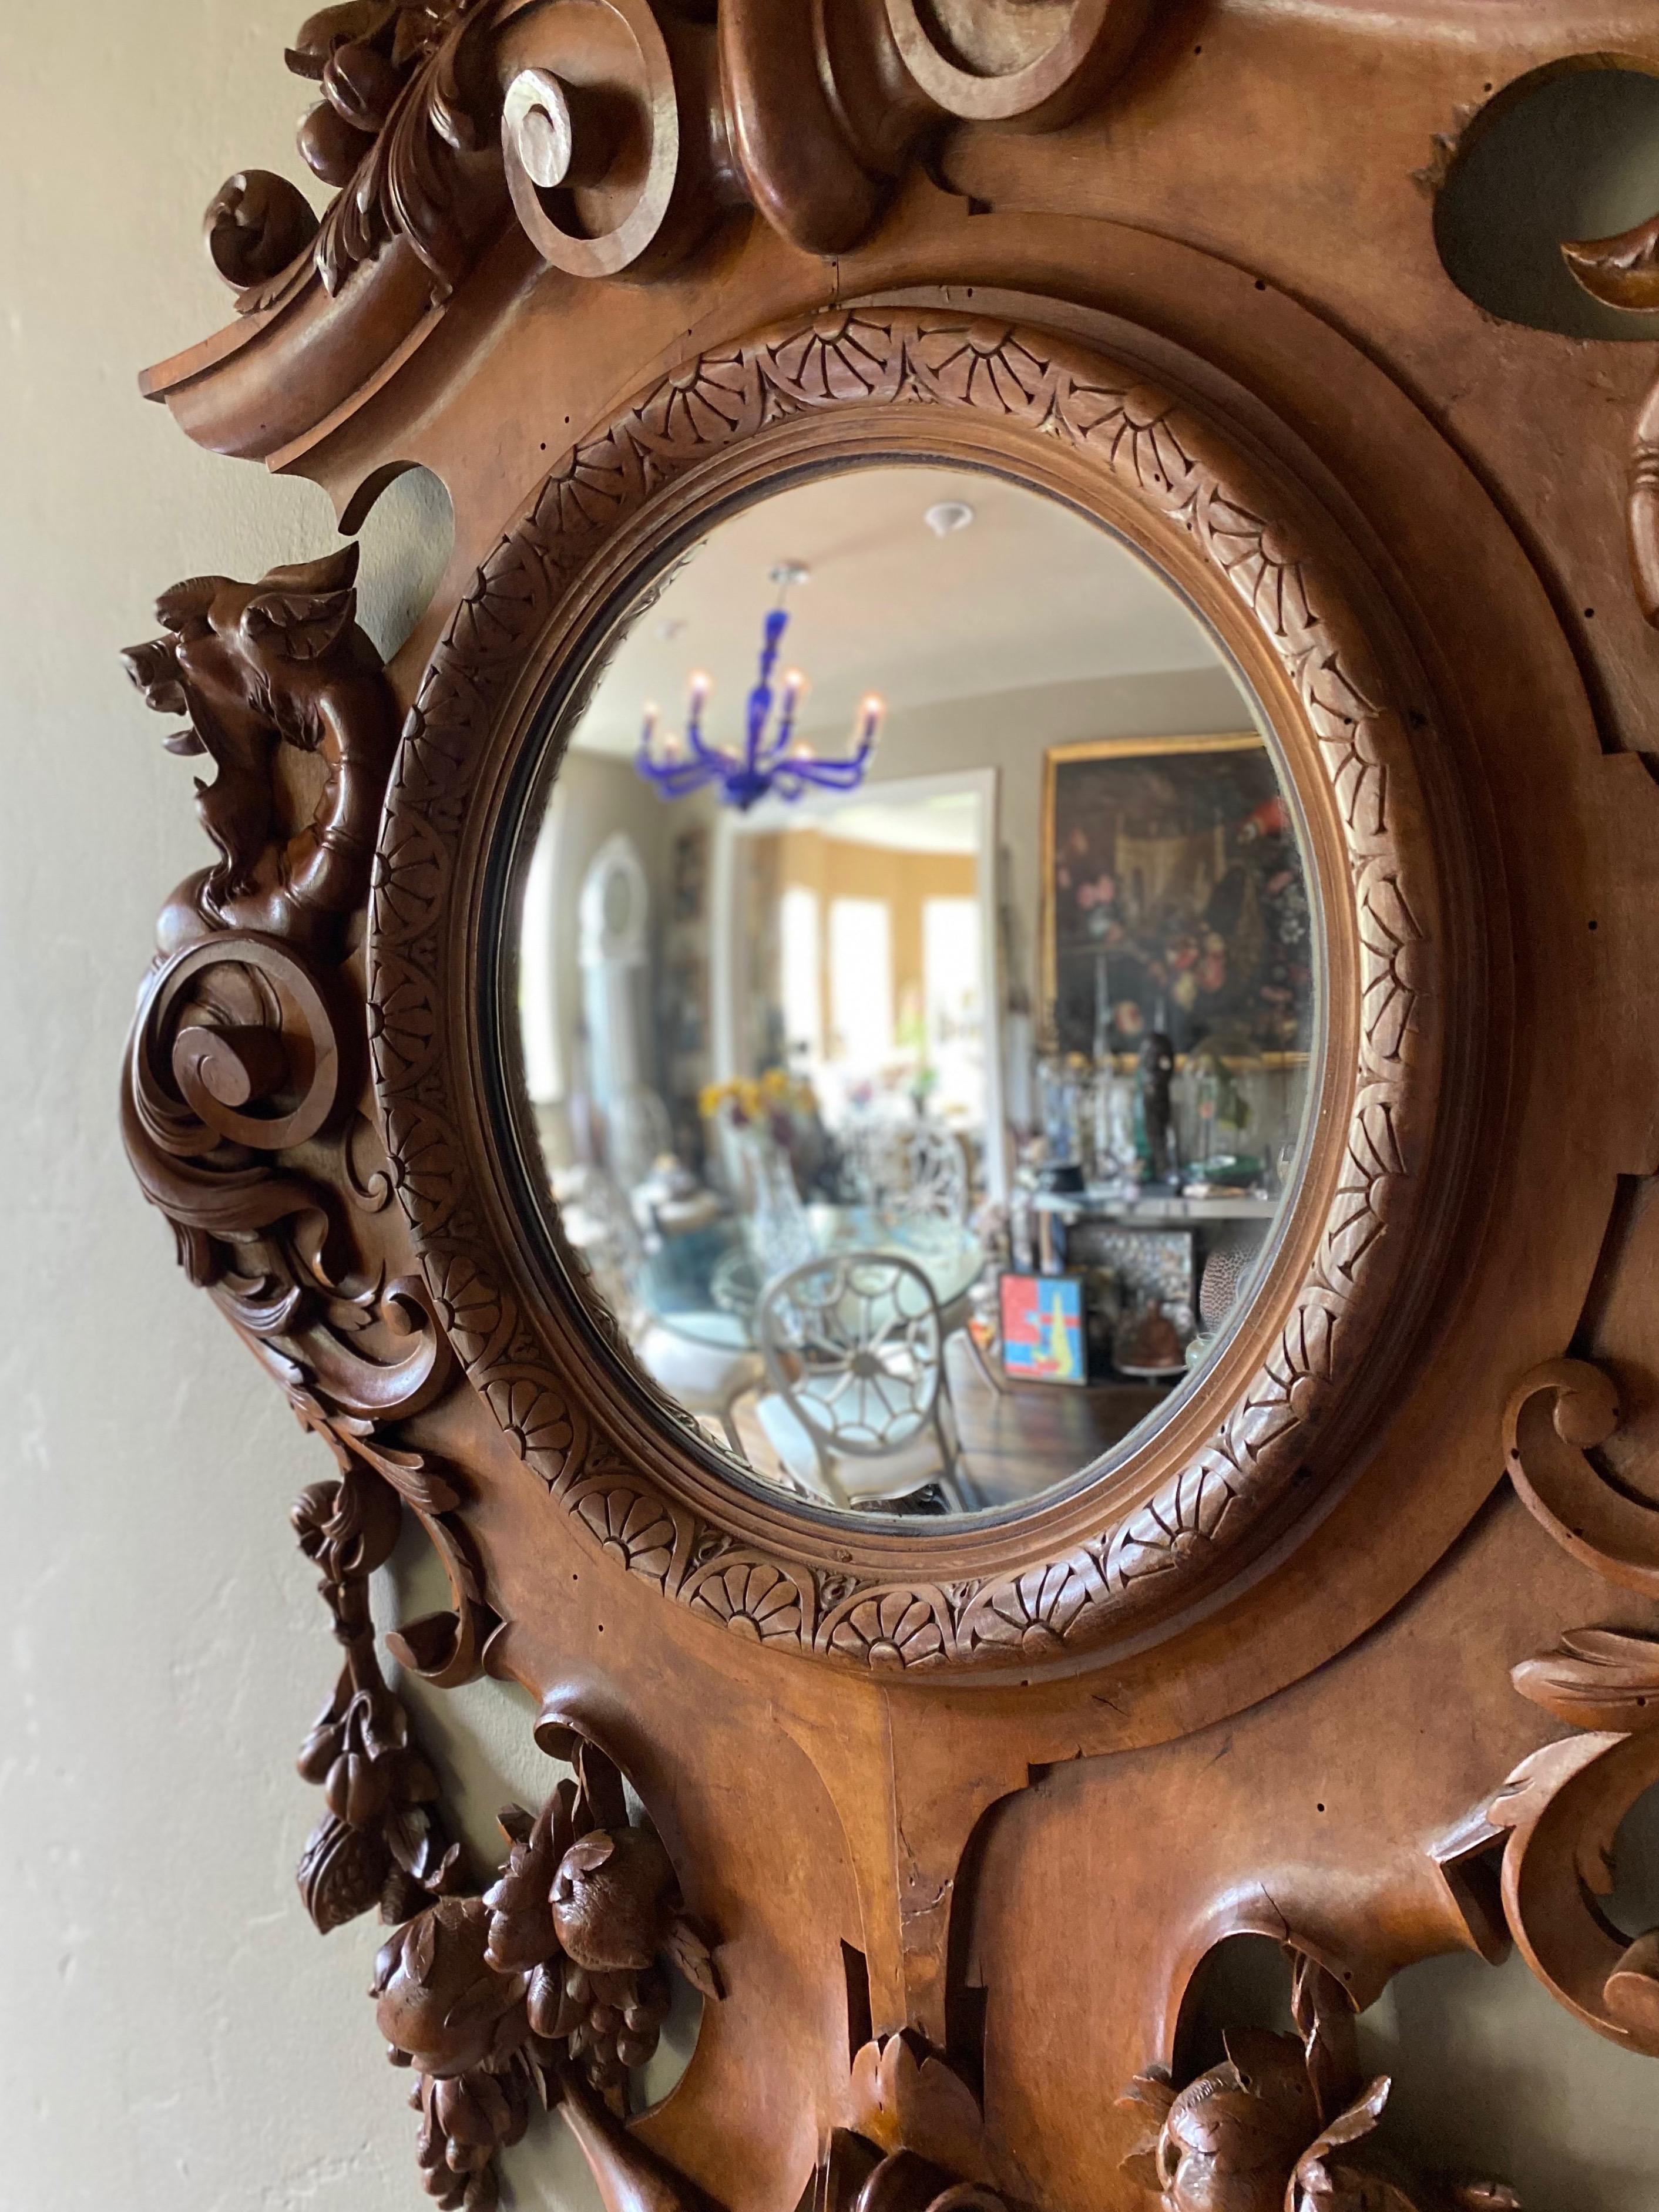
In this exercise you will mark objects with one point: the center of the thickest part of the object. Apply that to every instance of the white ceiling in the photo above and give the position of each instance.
(1028, 594)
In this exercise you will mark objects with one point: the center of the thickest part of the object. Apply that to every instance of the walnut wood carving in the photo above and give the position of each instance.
(945, 1827)
(1624, 272)
(544, 1991)
(1116, 440)
(1274, 2128)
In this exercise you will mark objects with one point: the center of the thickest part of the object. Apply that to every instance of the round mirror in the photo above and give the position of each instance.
(917, 990)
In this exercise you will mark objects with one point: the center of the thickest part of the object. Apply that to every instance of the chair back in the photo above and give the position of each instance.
(876, 1168)
(938, 1187)
(854, 1344)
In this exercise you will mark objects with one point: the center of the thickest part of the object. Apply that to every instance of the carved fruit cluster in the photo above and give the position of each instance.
(591, 1915)
(549, 1988)
(1275, 2127)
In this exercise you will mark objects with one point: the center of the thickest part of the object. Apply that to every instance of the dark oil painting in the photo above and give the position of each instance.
(1177, 900)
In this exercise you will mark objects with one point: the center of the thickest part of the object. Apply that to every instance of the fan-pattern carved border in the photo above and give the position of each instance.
(1187, 484)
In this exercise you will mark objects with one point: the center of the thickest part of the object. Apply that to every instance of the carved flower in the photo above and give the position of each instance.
(706, 404)
(1354, 761)
(411, 874)
(537, 1421)
(981, 365)
(632, 1528)
(839, 357)
(755, 1601)
(1387, 930)
(468, 1304)
(1181, 1520)
(423, 1155)
(1370, 1169)
(1136, 430)
(1033, 1612)
(896, 1629)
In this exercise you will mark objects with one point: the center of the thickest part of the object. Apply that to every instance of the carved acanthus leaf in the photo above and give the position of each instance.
(1621, 271)
(1561, 1810)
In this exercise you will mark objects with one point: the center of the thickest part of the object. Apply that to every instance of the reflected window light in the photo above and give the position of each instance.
(955, 1027)
(861, 982)
(539, 981)
(800, 958)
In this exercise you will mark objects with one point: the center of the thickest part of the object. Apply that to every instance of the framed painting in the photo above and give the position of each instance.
(1175, 898)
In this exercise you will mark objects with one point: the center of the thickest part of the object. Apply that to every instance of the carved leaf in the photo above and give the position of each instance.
(688, 1951)
(1351, 2126)
(1621, 271)
(1596, 1678)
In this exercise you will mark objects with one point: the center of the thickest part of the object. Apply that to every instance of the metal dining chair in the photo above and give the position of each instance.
(859, 1412)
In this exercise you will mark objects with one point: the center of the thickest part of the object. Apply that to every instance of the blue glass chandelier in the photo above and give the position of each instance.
(772, 758)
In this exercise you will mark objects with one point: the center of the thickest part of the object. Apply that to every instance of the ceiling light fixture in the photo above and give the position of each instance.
(773, 759)
(948, 514)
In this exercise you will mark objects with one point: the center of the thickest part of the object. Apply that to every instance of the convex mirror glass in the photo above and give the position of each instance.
(916, 991)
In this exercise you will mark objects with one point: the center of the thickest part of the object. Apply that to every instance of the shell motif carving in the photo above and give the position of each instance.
(1186, 481)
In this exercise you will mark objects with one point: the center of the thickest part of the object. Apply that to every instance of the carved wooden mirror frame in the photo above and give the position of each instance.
(609, 267)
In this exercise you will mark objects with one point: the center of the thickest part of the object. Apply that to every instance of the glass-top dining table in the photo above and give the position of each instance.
(706, 1283)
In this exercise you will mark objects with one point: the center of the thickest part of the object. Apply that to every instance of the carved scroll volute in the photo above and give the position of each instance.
(1561, 1809)
(612, 135)
(1556, 1415)
(826, 107)
(1005, 64)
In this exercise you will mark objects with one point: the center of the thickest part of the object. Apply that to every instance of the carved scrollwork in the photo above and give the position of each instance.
(1283, 2125)
(256, 225)
(1560, 1812)
(621, 147)
(246, 1057)
(1181, 477)
(1556, 1416)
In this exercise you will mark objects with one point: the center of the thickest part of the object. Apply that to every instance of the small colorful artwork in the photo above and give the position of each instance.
(1042, 1336)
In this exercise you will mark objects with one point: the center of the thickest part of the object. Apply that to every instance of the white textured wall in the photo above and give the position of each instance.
(173, 2037)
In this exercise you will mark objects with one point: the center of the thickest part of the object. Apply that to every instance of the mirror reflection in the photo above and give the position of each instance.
(917, 990)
